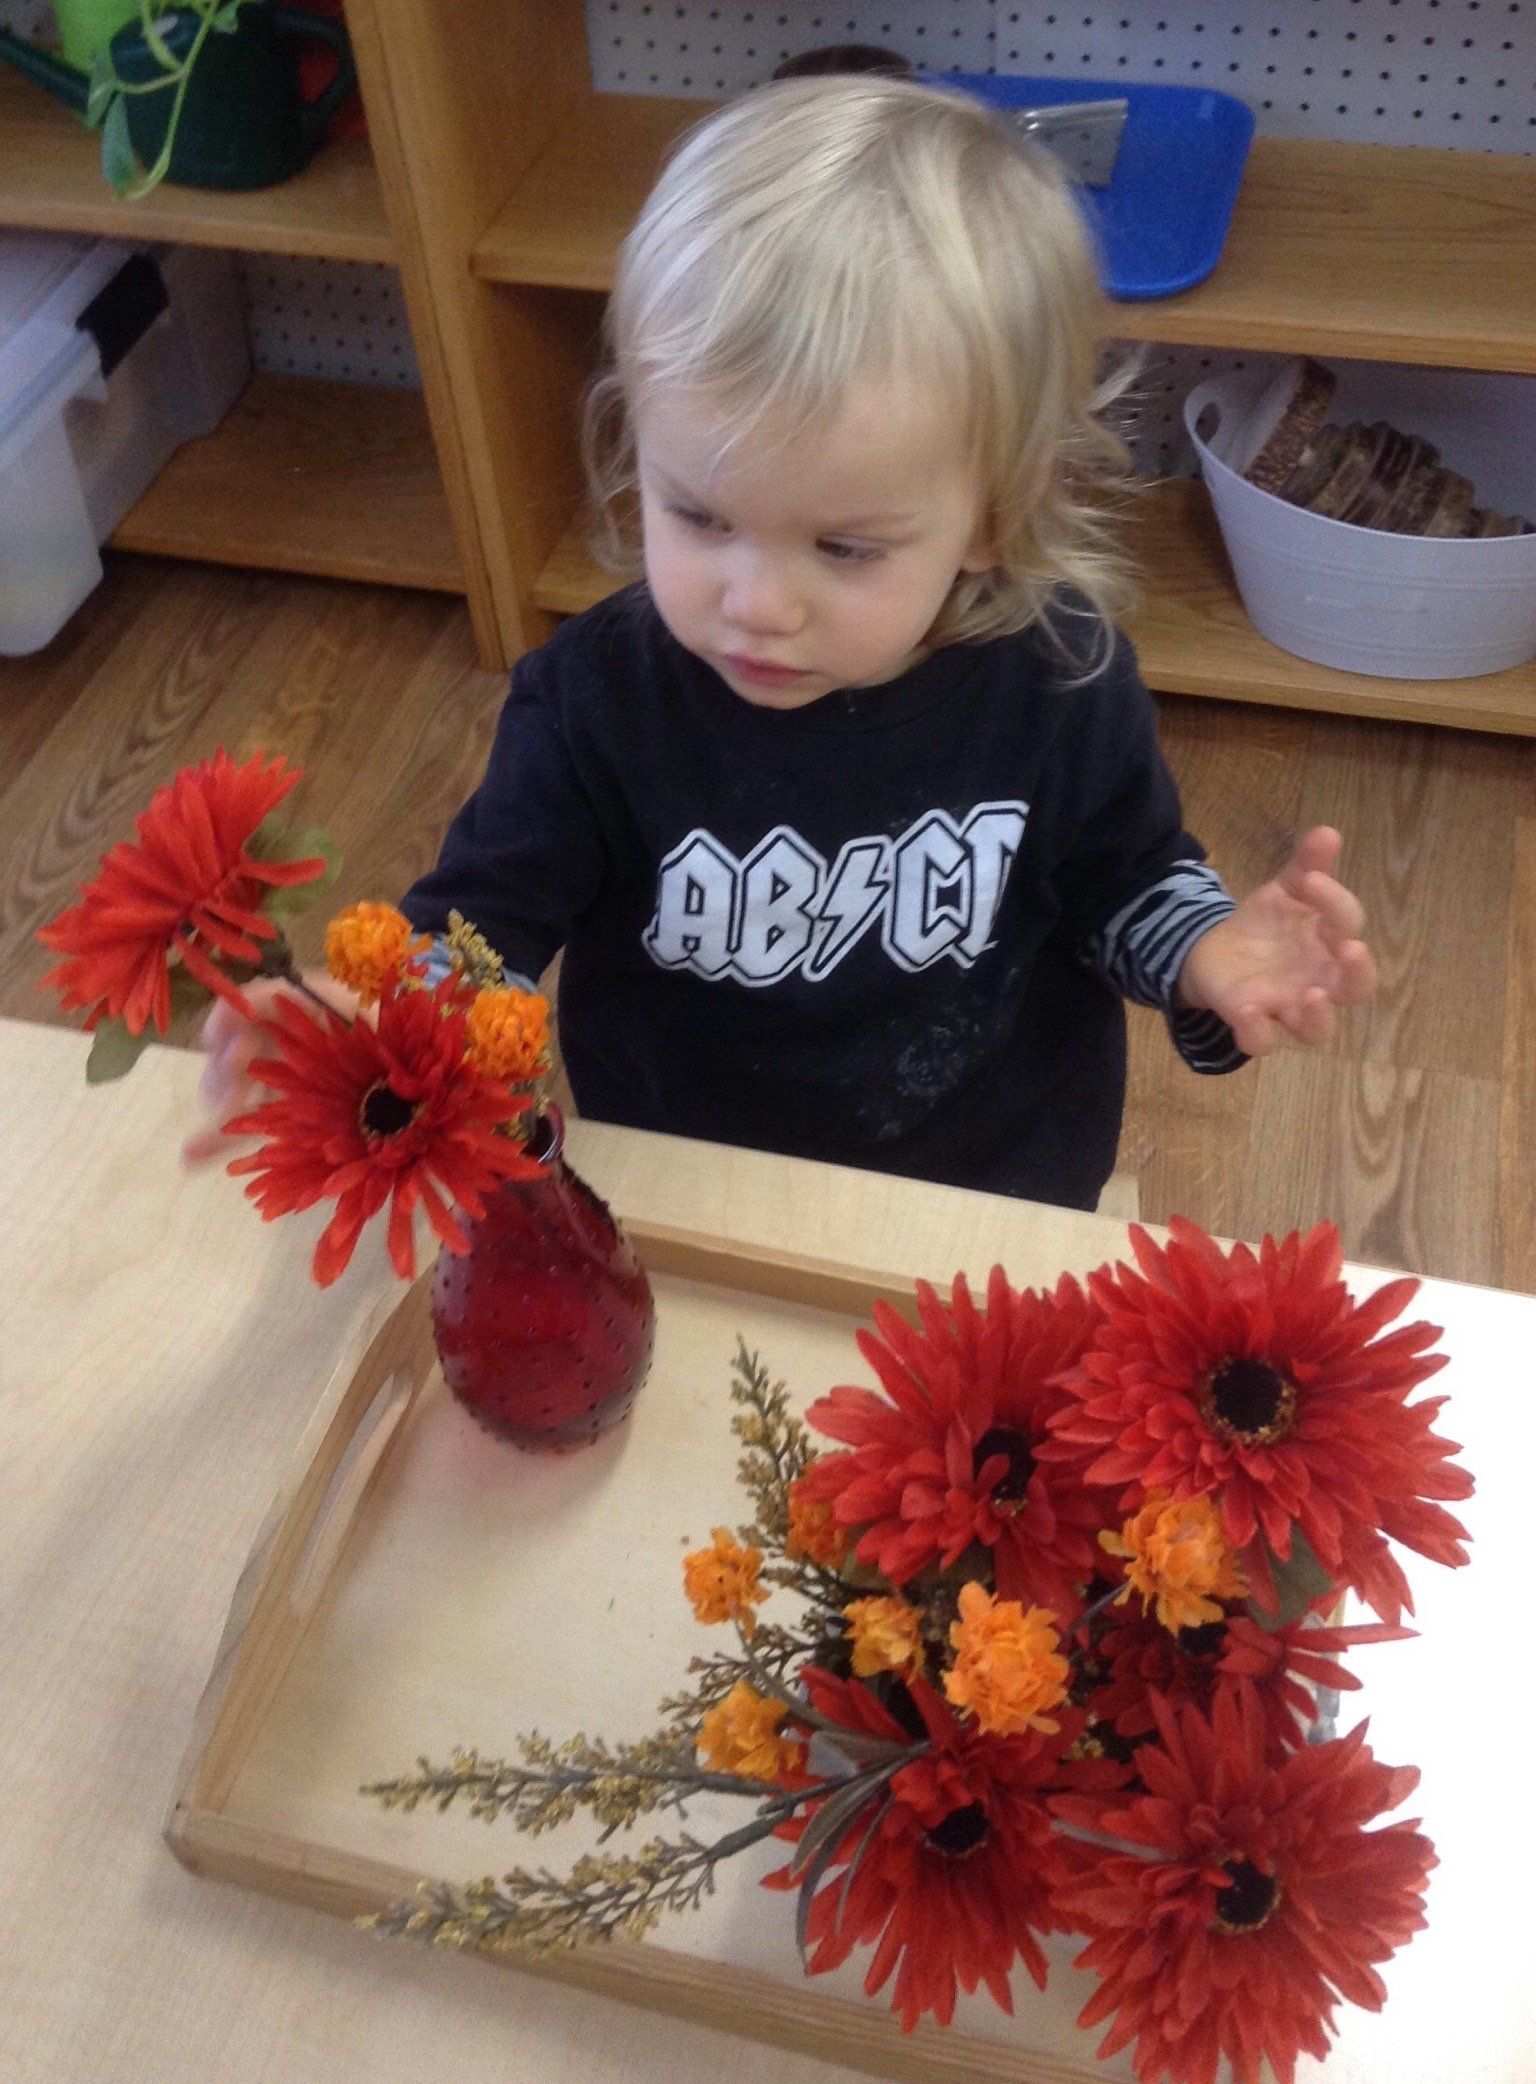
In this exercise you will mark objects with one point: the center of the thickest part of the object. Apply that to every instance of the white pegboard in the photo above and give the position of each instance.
(32, 18)
(1460, 73)
(343, 319)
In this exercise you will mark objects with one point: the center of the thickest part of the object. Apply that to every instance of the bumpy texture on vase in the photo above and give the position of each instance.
(545, 1325)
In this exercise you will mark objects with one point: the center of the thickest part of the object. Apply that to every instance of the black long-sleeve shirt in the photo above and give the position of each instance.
(890, 929)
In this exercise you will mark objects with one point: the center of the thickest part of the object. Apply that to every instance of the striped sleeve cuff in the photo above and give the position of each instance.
(1141, 952)
(1204, 1041)
(436, 964)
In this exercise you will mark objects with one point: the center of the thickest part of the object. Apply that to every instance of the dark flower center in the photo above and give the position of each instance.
(1248, 1900)
(960, 1832)
(898, 1702)
(1249, 1401)
(1103, 1740)
(1014, 1445)
(1208, 1640)
(384, 1113)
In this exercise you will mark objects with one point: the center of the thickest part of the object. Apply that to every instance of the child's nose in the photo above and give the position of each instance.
(760, 601)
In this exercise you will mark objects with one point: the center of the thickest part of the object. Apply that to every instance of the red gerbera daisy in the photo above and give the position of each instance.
(373, 1115)
(950, 1872)
(1279, 1669)
(189, 887)
(1257, 1377)
(1255, 1900)
(947, 1456)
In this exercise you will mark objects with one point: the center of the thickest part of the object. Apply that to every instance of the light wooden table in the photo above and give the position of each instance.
(161, 1350)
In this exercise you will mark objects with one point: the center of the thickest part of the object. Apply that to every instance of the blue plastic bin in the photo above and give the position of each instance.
(1161, 223)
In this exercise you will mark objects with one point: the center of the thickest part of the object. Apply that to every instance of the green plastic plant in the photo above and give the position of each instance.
(107, 104)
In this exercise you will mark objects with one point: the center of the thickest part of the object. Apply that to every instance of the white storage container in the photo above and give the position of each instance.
(1406, 607)
(111, 356)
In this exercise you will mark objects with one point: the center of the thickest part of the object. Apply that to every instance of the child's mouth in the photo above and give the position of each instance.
(759, 673)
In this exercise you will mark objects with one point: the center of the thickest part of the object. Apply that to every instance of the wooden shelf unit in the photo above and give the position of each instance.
(1383, 253)
(334, 479)
(501, 185)
(337, 480)
(1371, 252)
(1192, 635)
(51, 180)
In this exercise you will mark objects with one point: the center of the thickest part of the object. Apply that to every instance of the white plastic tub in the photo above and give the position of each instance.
(1405, 607)
(90, 412)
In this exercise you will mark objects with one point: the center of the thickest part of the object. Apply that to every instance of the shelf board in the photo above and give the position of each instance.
(1193, 636)
(333, 479)
(51, 180)
(1386, 253)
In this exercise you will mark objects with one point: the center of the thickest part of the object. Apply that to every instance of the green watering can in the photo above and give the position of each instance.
(244, 123)
(88, 26)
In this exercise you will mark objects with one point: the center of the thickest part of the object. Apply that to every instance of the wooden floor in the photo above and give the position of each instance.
(1416, 1131)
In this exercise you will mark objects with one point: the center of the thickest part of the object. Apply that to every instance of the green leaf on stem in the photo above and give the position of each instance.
(118, 164)
(276, 840)
(99, 94)
(837, 1814)
(114, 1052)
(812, 1879)
(1299, 1581)
(187, 994)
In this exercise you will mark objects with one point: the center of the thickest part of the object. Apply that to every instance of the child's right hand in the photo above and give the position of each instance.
(230, 1041)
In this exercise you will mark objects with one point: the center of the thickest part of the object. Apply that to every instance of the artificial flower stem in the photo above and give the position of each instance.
(280, 964)
(874, 1748)
(1101, 1605)
(294, 977)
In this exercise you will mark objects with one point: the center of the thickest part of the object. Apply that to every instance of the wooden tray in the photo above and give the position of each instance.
(419, 1587)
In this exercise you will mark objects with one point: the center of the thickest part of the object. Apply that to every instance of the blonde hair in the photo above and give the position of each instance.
(824, 229)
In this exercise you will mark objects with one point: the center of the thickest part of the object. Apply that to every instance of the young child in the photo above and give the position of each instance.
(850, 820)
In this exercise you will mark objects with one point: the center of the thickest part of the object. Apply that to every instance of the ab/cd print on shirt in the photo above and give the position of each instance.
(933, 891)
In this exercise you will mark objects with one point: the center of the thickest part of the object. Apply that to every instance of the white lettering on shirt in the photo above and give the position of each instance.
(935, 891)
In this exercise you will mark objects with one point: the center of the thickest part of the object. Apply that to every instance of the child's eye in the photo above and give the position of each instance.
(849, 553)
(696, 518)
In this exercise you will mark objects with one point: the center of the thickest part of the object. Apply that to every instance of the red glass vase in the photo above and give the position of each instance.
(544, 1326)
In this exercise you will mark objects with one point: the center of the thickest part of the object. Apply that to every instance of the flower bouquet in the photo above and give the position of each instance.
(429, 1099)
(1030, 1638)
(426, 1104)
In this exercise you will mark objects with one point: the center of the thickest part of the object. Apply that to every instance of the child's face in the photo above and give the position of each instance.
(795, 568)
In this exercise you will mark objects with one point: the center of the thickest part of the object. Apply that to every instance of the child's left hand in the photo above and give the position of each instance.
(1289, 954)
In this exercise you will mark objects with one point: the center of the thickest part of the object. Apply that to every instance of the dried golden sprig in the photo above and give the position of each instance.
(472, 954)
(604, 1896)
(778, 1451)
(616, 1783)
(774, 1649)
(777, 1445)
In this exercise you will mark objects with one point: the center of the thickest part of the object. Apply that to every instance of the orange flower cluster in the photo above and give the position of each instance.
(1179, 1560)
(813, 1531)
(367, 948)
(722, 1581)
(509, 1034)
(887, 1636)
(1008, 1670)
(741, 1735)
